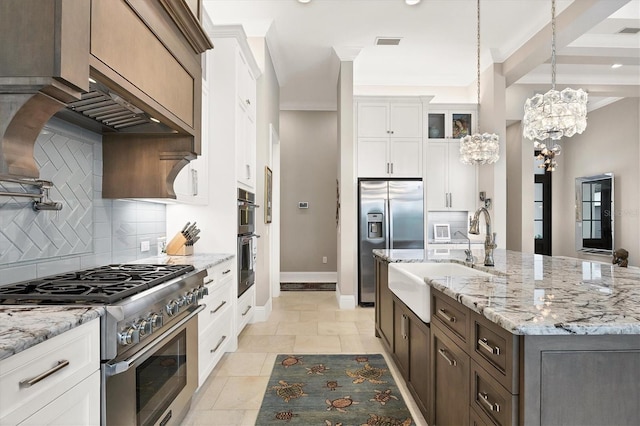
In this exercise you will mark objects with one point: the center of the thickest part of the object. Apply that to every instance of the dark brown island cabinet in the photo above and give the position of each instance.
(463, 369)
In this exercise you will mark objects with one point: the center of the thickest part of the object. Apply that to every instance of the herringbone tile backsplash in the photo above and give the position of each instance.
(89, 230)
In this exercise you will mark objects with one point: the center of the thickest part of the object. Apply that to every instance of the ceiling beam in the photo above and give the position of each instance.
(574, 21)
(598, 90)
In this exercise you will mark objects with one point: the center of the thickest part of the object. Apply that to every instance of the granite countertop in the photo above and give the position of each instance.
(542, 295)
(200, 261)
(23, 326)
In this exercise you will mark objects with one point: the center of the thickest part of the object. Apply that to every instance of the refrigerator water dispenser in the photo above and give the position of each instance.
(374, 225)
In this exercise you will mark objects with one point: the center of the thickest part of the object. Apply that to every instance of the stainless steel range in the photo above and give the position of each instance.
(148, 335)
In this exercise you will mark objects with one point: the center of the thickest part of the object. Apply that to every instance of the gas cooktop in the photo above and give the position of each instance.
(104, 284)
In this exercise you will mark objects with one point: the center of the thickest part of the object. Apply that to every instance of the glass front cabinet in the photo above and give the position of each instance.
(450, 121)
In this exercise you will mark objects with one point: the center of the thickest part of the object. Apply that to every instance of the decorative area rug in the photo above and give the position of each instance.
(308, 286)
(333, 390)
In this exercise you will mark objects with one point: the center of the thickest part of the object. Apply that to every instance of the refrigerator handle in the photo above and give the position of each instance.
(390, 223)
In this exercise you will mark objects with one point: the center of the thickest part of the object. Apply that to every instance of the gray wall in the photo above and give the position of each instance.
(89, 231)
(309, 159)
(611, 143)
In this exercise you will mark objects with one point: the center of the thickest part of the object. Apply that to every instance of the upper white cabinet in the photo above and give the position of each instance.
(450, 121)
(389, 137)
(191, 184)
(451, 185)
(235, 72)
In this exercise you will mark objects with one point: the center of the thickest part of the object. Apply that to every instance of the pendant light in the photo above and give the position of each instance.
(479, 148)
(555, 114)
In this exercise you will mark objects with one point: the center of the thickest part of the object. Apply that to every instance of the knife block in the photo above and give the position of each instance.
(177, 246)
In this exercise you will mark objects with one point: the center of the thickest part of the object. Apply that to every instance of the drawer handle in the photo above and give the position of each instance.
(446, 316)
(484, 344)
(246, 311)
(224, 302)
(30, 382)
(226, 272)
(484, 398)
(222, 339)
(444, 355)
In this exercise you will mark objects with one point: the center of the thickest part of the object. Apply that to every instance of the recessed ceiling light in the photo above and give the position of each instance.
(304, 1)
(91, 80)
(614, 66)
(412, 2)
(155, 120)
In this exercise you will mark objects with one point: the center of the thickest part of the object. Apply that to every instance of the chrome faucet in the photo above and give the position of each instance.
(468, 251)
(490, 240)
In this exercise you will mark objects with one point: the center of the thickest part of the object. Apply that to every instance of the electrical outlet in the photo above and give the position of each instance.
(324, 259)
(144, 246)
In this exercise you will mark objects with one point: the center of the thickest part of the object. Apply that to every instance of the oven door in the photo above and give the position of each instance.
(155, 385)
(246, 217)
(246, 262)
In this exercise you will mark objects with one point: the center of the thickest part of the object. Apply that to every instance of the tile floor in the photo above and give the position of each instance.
(302, 322)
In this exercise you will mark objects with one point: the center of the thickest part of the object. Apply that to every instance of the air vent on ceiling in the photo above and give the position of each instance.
(388, 41)
(629, 30)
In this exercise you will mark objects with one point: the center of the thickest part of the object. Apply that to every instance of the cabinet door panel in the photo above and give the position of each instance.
(401, 338)
(384, 303)
(462, 181)
(373, 120)
(419, 352)
(406, 157)
(406, 120)
(450, 380)
(436, 168)
(372, 157)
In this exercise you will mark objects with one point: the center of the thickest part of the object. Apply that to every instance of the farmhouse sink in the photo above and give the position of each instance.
(406, 280)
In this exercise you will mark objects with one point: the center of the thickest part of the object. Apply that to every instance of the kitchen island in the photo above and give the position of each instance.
(543, 340)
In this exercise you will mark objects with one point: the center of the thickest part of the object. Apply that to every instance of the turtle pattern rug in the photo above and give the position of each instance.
(332, 390)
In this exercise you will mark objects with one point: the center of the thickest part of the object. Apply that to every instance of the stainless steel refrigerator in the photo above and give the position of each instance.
(391, 216)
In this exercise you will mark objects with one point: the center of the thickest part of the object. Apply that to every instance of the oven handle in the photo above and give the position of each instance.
(246, 204)
(122, 366)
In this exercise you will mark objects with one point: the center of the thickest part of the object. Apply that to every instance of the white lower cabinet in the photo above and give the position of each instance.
(245, 309)
(215, 323)
(54, 382)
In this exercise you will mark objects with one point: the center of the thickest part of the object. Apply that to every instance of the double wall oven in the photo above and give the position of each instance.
(247, 244)
(149, 334)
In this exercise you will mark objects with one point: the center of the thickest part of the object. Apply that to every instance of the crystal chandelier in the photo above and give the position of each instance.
(479, 148)
(555, 114)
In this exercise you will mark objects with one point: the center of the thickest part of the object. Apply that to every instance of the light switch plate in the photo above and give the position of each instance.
(303, 204)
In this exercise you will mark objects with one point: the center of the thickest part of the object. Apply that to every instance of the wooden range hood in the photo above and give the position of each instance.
(145, 55)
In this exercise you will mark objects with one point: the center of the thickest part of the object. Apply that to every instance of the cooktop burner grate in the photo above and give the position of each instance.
(105, 284)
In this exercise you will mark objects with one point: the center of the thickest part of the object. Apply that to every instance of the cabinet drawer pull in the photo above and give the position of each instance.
(226, 272)
(446, 316)
(224, 302)
(484, 398)
(444, 355)
(246, 311)
(222, 339)
(30, 382)
(484, 344)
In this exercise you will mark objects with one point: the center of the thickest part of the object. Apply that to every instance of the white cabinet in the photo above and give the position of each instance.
(235, 72)
(451, 185)
(389, 138)
(246, 308)
(191, 184)
(450, 121)
(69, 392)
(216, 334)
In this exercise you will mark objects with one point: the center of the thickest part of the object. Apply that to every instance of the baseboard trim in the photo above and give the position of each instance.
(262, 313)
(345, 301)
(308, 277)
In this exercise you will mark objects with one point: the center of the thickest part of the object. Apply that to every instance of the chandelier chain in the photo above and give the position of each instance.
(553, 44)
(478, 61)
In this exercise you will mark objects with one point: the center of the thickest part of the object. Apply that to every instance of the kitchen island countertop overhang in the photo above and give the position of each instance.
(532, 294)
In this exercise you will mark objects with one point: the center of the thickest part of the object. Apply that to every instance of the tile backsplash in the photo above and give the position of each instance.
(89, 230)
(457, 220)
